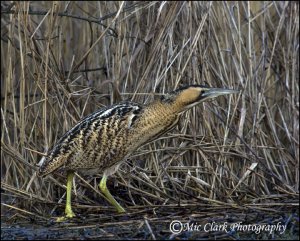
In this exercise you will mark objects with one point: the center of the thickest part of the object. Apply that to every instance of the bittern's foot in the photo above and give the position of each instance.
(120, 209)
(69, 214)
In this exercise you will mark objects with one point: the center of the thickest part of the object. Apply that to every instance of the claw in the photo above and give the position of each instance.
(69, 215)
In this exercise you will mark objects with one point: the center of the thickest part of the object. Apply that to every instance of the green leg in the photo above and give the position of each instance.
(68, 211)
(107, 194)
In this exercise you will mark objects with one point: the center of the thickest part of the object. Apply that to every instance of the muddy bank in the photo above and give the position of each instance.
(165, 222)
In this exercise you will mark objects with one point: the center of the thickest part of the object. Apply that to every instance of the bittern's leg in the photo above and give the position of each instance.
(68, 211)
(110, 198)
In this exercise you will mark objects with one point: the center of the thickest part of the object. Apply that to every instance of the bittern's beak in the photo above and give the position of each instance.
(208, 93)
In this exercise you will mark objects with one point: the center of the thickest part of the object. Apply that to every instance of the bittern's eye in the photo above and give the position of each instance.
(202, 92)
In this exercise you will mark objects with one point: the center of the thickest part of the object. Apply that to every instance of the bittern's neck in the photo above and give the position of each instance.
(174, 106)
(181, 100)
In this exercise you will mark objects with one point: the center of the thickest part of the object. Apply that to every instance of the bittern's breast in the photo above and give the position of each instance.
(155, 121)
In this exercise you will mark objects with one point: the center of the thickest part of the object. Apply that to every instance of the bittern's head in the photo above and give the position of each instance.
(189, 96)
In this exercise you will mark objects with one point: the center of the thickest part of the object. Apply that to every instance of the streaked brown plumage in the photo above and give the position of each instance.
(103, 139)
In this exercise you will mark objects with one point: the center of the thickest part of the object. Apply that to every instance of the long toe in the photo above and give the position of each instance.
(121, 210)
(61, 219)
(69, 215)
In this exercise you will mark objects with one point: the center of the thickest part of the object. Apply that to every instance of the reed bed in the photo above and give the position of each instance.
(63, 60)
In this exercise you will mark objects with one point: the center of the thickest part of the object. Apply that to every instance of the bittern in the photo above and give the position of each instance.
(104, 139)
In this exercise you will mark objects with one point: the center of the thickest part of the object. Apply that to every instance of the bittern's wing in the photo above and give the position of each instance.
(82, 134)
